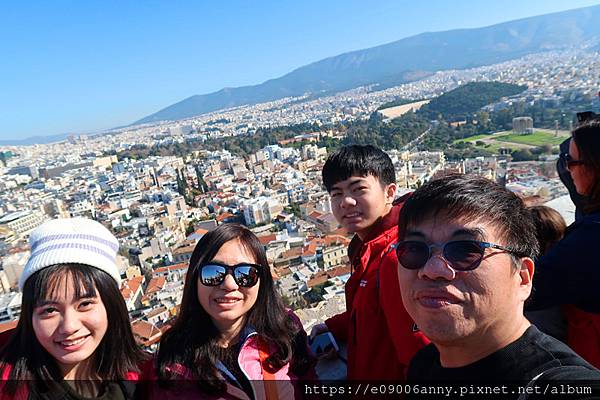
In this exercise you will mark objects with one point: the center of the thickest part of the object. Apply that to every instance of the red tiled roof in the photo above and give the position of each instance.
(283, 271)
(266, 239)
(317, 280)
(338, 271)
(145, 333)
(130, 286)
(291, 253)
(155, 285)
(224, 216)
(170, 268)
(315, 214)
(309, 250)
(6, 326)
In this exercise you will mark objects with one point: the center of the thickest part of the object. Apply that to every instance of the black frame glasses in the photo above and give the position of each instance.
(570, 162)
(573, 163)
(213, 273)
(461, 255)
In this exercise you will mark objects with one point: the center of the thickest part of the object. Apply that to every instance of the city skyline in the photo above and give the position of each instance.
(85, 67)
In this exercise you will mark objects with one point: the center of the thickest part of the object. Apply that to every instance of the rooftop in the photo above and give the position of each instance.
(13, 216)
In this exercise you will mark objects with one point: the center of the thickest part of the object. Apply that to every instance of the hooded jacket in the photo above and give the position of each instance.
(569, 275)
(282, 384)
(381, 337)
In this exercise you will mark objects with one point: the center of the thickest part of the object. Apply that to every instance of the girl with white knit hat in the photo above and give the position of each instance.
(74, 338)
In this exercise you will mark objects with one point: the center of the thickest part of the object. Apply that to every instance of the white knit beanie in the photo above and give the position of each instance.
(72, 240)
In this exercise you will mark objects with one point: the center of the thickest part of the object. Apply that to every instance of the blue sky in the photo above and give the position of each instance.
(81, 66)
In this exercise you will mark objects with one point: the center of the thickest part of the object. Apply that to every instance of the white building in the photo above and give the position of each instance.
(10, 306)
(261, 210)
(23, 222)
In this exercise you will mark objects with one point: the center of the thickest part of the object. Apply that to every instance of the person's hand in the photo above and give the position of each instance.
(317, 330)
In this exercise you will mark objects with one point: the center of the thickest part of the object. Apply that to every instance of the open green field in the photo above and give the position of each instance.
(537, 138)
(495, 147)
(474, 138)
(514, 141)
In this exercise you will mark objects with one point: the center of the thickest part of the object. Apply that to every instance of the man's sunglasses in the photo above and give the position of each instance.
(213, 273)
(462, 255)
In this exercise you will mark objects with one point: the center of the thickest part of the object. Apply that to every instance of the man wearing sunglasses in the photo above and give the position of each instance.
(465, 270)
(379, 334)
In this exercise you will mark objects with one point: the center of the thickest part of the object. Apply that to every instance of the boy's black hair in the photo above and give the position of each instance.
(358, 160)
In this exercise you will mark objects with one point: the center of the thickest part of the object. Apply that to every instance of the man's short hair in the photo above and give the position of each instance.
(358, 160)
(473, 198)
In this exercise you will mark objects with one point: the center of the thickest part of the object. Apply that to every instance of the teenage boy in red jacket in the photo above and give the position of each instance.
(380, 335)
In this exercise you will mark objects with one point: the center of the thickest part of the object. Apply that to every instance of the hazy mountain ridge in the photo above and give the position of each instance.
(35, 140)
(407, 59)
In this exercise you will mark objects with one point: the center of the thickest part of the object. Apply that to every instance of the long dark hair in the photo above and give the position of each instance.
(192, 341)
(117, 352)
(587, 140)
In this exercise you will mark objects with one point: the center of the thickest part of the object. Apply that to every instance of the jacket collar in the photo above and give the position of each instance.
(383, 224)
(245, 334)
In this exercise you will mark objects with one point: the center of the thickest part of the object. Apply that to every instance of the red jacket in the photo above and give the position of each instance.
(23, 390)
(380, 335)
(583, 333)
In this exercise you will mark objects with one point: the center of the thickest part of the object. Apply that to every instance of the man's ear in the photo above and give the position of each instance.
(526, 271)
(390, 193)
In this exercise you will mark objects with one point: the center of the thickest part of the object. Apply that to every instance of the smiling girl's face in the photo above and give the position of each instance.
(68, 326)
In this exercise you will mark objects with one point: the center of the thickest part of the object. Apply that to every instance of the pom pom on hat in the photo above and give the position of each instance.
(72, 241)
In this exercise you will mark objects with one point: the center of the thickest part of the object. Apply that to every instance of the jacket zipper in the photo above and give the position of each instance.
(240, 364)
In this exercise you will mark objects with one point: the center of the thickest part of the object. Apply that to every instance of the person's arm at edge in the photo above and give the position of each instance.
(338, 326)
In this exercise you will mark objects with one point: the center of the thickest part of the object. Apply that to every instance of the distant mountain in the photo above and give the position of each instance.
(407, 60)
(35, 140)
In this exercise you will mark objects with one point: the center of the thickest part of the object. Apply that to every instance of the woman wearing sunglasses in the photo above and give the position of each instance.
(569, 274)
(233, 337)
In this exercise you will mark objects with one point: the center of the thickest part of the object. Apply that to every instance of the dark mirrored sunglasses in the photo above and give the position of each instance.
(214, 273)
(462, 255)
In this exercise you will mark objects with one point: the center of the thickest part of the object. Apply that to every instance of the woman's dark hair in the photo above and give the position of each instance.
(192, 341)
(474, 198)
(117, 352)
(358, 160)
(550, 226)
(587, 140)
